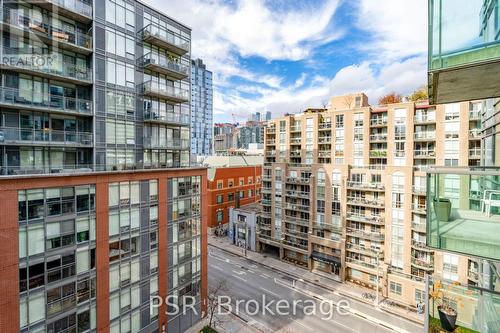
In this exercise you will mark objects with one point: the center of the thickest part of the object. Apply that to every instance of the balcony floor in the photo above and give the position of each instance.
(469, 232)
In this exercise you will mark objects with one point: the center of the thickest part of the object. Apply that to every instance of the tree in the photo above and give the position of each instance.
(214, 292)
(419, 95)
(390, 99)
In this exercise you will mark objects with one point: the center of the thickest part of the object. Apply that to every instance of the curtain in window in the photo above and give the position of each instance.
(114, 277)
(114, 197)
(114, 224)
(153, 260)
(36, 239)
(82, 260)
(114, 306)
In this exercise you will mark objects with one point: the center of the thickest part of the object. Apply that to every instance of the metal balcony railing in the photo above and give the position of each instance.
(378, 137)
(169, 66)
(362, 233)
(422, 263)
(475, 152)
(419, 227)
(424, 118)
(165, 38)
(366, 186)
(154, 88)
(46, 30)
(294, 128)
(425, 135)
(378, 121)
(420, 207)
(168, 117)
(325, 125)
(166, 144)
(371, 219)
(424, 153)
(365, 202)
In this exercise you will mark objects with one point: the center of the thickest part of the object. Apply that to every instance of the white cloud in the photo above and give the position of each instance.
(399, 27)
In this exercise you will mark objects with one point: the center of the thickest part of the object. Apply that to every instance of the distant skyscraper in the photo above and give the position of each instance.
(201, 109)
(256, 116)
(268, 115)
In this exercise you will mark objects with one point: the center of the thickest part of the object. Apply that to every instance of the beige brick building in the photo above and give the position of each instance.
(344, 190)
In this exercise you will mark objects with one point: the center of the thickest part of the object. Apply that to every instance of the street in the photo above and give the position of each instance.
(247, 280)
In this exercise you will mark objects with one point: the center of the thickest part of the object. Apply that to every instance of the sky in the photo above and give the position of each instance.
(286, 55)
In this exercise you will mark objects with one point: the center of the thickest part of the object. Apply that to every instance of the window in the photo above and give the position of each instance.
(241, 194)
(250, 193)
(395, 288)
(450, 267)
(220, 199)
(220, 184)
(419, 296)
(120, 13)
(220, 216)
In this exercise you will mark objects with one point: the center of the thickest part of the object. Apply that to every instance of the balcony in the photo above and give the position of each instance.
(371, 219)
(478, 308)
(297, 234)
(165, 66)
(271, 130)
(295, 246)
(361, 249)
(376, 187)
(178, 144)
(420, 245)
(165, 39)
(31, 100)
(266, 202)
(362, 233)
(474, 114)
(295, 153)
(324, 139)
(425, 264)
(154, 116)
(297, 180)
(298, 207)
(51, 66)
(475, 134)
(295, 128)
(419, 190)
(378, 137)
(271, 142)
(363, 264)
(336, 228)
(18, 24)
(173, 94)
(298, 194)
(296, 220)
(471, 224)
(44, 137)
(378, 122)
(324, 153)
(424, 136)
(270, 152)
(424, 153)
(76, 9)
(424, 119)
(475, 153)
(324, 126)
(418, 227)
(419, 208)
(357, 201)
(464, 51)
(378, 153)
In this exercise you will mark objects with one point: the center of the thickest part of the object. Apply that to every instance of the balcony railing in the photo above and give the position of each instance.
(270, 152)
(366, 186)
(378, 153)
(165, 66)
(296, 220)
(51, 65)
(378, 137)
(156, 89)
(77, 9)
(298, 207)
(297, 180)
(425, 135)
(379, 121)
(364, 250)
(324, 139)
(419, 227)
(469, 221)
(421, 190)
(420, 208)
(474, 114)
(422, 263)
(365, 202)
(371, 219)
(167, 118)
(424, 118)
(295, 244)
(16, 135)
(325, 125)
(271, 130)
(294, 128)
(475, 152)
(424, 153)
(299, 194)
(419, 245)
(362, 233)
(166, 144)
(363, 263)
(49, 32)
(271, 142)
(167, 39)
(29, 99)
(336, 228)
(324, 153)
(475, 133)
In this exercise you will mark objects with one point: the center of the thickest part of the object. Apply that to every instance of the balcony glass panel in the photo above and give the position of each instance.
(462, 32)
(463, 211)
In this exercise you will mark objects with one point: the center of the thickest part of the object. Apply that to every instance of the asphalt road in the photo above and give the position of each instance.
(304, 306)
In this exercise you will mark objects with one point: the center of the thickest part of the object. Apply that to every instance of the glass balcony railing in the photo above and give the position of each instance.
(76, 6)
(166, 144)
(475, 309)
(163, 65)
(167, 39)
(41, 101)
(465, 218)
(156, 89)
(48, 31)
(462, 32)
(22, 136)
(51, 65)
(464, 50)
(168, 118)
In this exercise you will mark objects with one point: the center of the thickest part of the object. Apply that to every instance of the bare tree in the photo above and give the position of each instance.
(214, 292)
(348, 100)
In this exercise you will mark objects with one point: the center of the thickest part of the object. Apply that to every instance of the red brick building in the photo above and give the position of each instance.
(232, 181)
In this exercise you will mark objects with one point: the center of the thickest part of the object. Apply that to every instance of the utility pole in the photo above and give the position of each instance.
(378, 278)
(246, 238)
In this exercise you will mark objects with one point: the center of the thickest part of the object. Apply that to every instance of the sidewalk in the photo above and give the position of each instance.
(233, 324)
(344, 289)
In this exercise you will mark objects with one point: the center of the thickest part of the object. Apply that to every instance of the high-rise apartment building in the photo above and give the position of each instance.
(463, 204)
(101, 209)
(201, 109)
(344, 190)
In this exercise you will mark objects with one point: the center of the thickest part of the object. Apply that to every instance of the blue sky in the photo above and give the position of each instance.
(285, 55)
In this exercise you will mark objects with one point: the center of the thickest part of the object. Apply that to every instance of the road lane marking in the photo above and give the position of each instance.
(264, 275)
(239, 277)
(270, 292)
(305, 326)
(217, 267)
